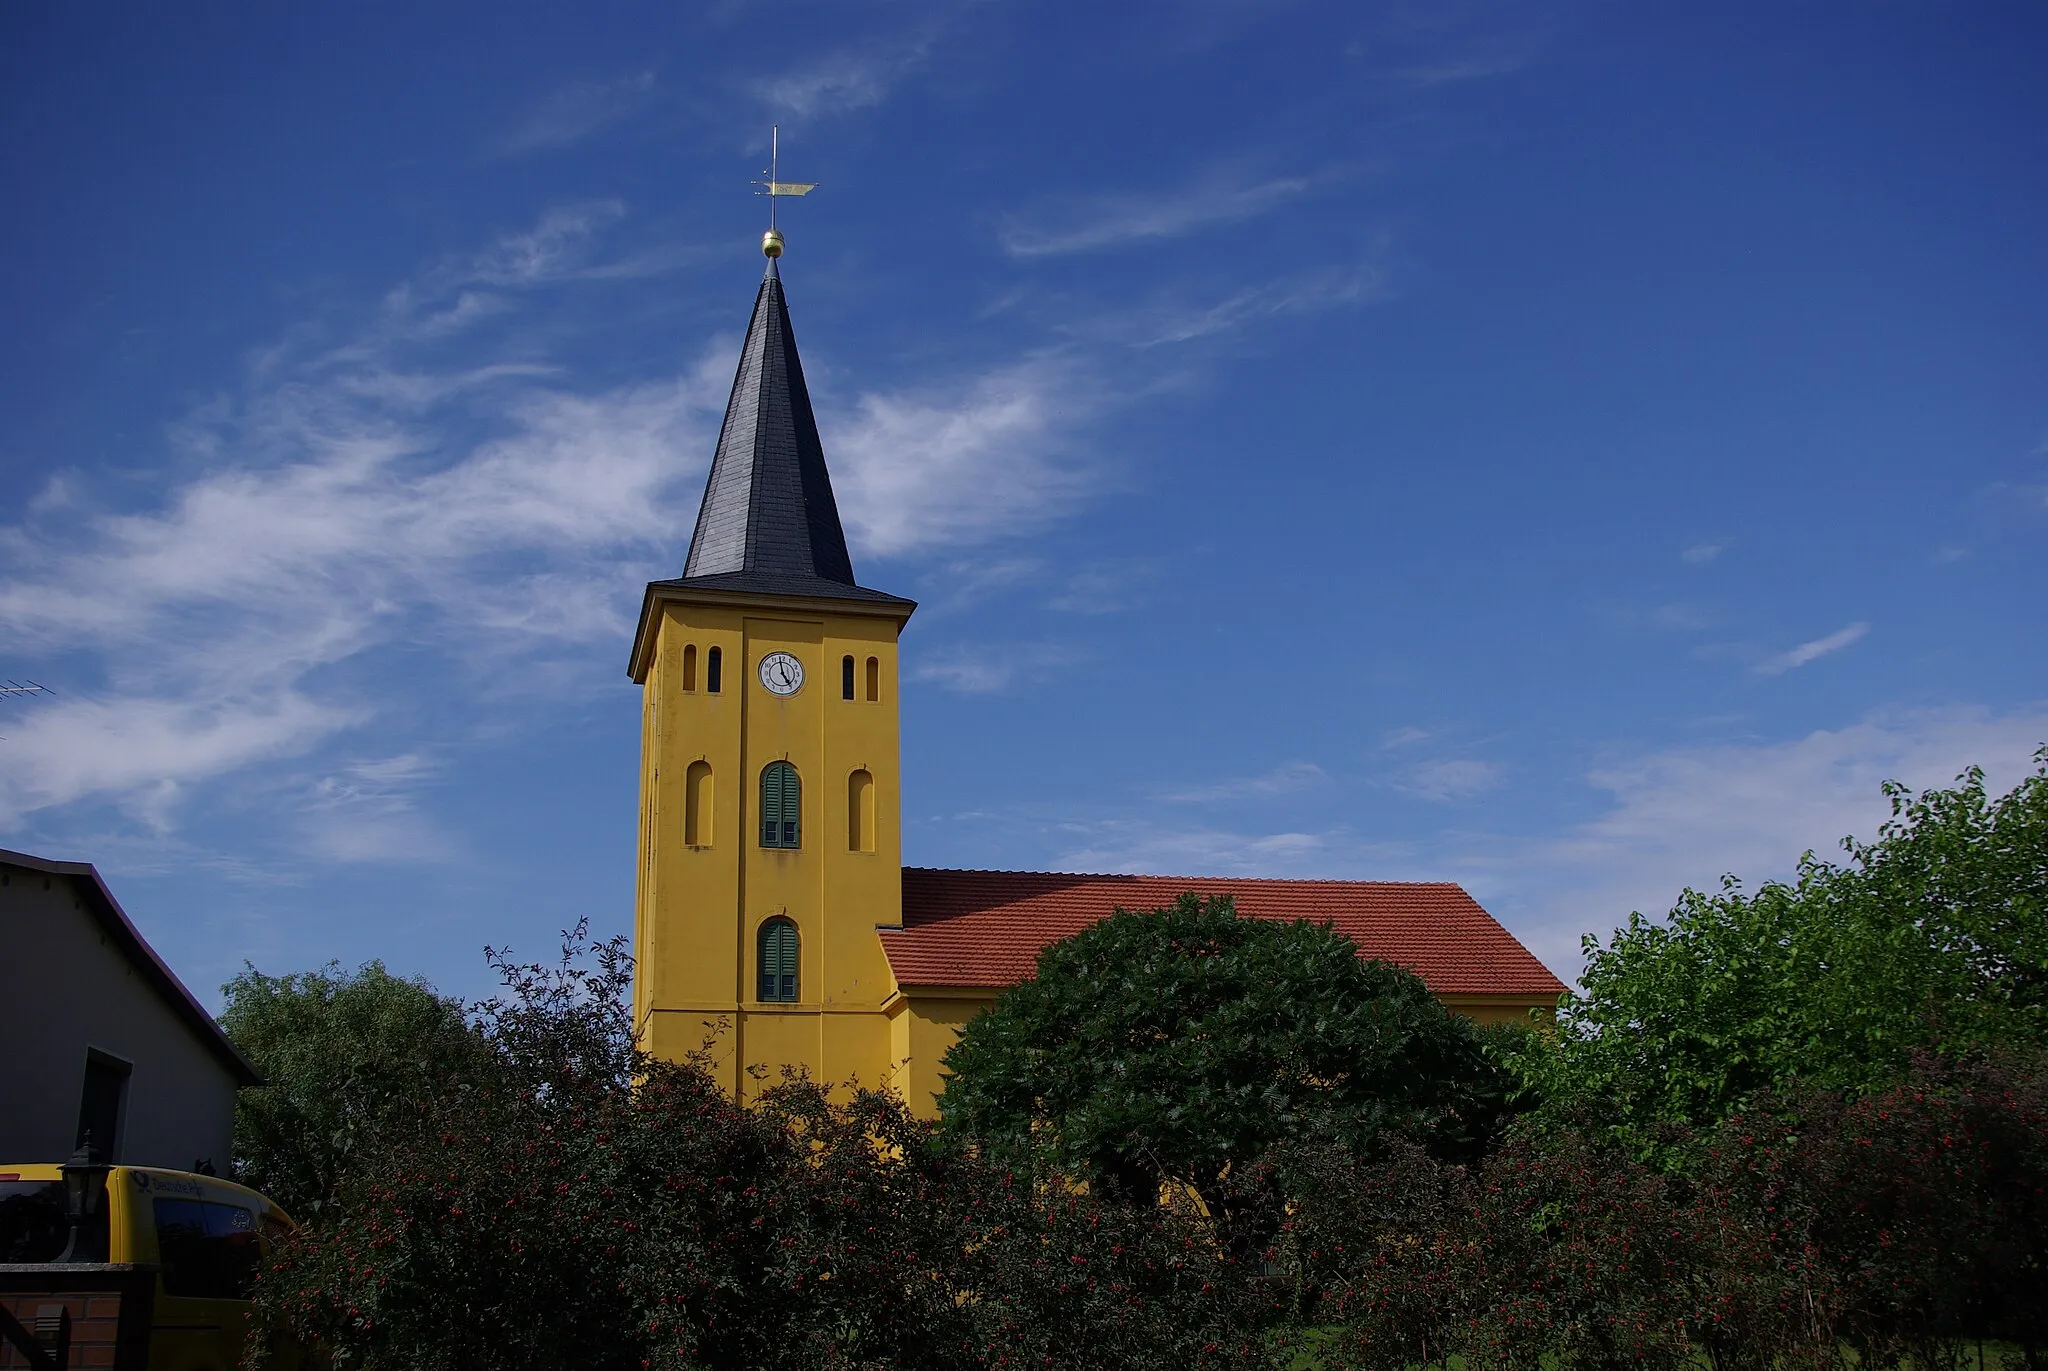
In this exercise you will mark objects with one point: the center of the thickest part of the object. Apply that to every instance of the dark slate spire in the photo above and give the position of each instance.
(769, 522)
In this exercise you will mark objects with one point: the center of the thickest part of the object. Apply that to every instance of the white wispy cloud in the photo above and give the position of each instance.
(997, 455)
(331, 535)
(427, 478)
(563, 245)
(368, 810)
(146, 747)
(842, 82)
(961, 582)
(1113, 220)
(1681, 617)
(403, 487)
(1105, 588)
(1456, 70)
(1449, 778)
(985, 668)
(573, 112)
(973, 462)
(1699, 554)
(1137, 847)
(1110, 587)
(1673, 818)
(1808, 651)
(1685, 816)
(557, 245)
(1166, 322)
(568, 244)
(1286, 779)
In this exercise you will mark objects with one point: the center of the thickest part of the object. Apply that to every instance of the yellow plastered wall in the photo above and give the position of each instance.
(929, 1024)
(1493, 1009)
(701, 905)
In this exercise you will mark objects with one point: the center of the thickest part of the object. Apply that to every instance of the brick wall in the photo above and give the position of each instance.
(109, 1307)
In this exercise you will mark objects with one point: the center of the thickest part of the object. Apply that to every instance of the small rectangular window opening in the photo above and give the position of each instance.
(713, 661)
(846, 678)
(100, 1103)
(690, 666)
(874, 680)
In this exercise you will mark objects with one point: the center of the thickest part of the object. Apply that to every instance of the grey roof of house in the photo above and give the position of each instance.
(119, 930)
(769, 523)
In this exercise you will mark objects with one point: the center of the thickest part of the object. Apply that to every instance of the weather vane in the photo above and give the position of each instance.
(771, 241)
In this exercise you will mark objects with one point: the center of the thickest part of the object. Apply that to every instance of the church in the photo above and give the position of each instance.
(775, 923)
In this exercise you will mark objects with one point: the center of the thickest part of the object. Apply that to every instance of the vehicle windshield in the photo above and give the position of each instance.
(33, 1226)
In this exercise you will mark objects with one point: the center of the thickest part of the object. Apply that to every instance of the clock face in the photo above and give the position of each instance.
(782, 674)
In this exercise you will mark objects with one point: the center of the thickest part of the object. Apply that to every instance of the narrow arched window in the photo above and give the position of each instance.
(777, 956)
(697, 805)
(874, 679)
(860, 812)
(782, 806)
(846, 678)
(690, 666)
(713, 660)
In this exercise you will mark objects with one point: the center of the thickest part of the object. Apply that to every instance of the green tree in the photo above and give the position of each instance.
(1935, 935)
(578, 1203)
(343, 1053)
(1178, 1046)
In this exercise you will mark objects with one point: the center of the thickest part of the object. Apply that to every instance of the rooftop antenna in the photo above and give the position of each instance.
(10, 688)
(771, 241)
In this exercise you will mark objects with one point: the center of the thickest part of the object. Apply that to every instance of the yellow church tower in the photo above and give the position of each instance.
(776, 925)
(770, 851)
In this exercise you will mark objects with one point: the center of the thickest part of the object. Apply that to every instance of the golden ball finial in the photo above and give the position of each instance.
(771, 243)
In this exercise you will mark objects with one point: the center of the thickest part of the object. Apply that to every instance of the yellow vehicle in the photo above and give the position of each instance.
(151, 1268)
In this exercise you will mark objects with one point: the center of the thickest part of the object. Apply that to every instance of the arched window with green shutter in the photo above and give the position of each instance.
(782, 806)
(778, 951)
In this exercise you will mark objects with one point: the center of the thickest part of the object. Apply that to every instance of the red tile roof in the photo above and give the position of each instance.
(985, 928)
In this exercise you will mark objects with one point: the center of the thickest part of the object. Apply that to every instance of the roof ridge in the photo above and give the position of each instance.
(120, 930)
(980, 928)
(1166, 876)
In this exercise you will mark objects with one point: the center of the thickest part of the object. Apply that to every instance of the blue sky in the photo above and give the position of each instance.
(1573, 450)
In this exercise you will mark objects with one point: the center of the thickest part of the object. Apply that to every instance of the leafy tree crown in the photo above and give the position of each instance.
(1176, 1045)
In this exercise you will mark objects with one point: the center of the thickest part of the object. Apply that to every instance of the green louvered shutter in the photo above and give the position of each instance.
(778, 960)
(782, 804)
(792, 808)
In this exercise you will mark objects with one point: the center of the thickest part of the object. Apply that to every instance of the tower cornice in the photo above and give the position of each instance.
(893, 608)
